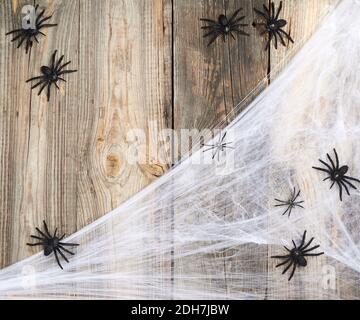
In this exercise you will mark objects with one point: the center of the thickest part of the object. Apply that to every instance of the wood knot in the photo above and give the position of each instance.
(113, 165)
(153, 170)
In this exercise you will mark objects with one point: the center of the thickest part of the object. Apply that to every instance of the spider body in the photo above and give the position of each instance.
(218, 146)
(291, 203)
(51, 75)
(52, 244)
(31, 34)
(224, 27)
(296, 257)
(337, 174)
(272, 25)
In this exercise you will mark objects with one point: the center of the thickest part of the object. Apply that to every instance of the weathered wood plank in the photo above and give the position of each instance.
(208, 83)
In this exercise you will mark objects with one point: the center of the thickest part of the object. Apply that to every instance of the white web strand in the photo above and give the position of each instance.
(206, 231)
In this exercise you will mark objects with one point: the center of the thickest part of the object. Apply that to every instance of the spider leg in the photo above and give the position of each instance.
(325, 164)
(48, 92)
(13, 31)
(34, 86)
(210, 33)
(349, 183)
(331, 161)
(313, 254)
(36, 39)
(286, 211)
(290, 211)
(42, 33)
(42, 88)
(332, 184)
(232, 36)
(302, 240)
(35, 78)
(234, 15)
(287, 268)
(287, 35)
(35, 244)
(62, 79)
(35, 237)
(57, 260)
(66, 250)
(281, 38)
(294, 244)
(55, 232)
(308, 244)
(285, 202)
(299, 205)
(278, 11)
(282, 263)
(292, 272)
(267, 10)
(217, 34)
(28, 45)
(327, 178)
(208, 20)
(272, 10)
(322, 169)
(311, 249)
(210, 27)
(241, 32)
(43, 20)
(352, 179)
(56, 85)
(346, 188)
(17, 37)
(38, 230)
(337, 159)
(66, 71)
(340, 190)
(39, 16)
(269, 41)
(69, 244)
(263, 14)
(46, 229)
(235, 22)
(47, 25)
(62, 237)
(64, 257)
(21, 42)
(281, 257)
(53, 60)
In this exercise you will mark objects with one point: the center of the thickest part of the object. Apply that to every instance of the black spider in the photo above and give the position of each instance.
(29, 34)
(218, 147)
(52, 244)
(273, 25)
(51, 75)
(224, 27)
(337, 174)
(296, 256)
(291, 203)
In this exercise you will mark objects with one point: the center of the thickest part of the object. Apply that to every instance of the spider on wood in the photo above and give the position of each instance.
(296, 256)
(51, 75)
(31, 33)
(273, 25)
(291, 203)
(52, 244)
(337, 174)
(224, 27)
(218, 146)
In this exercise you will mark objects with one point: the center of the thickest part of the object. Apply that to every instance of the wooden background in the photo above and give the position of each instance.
(143, 64)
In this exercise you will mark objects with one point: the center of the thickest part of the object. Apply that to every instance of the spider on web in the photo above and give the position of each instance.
(51, 243)
(296, 257)
(31, 33)
(337, 174)
(218, 146)
(291, 203)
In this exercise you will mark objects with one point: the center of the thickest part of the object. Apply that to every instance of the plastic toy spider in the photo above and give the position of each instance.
(51, 75)
(30, 34)
(52, 244)
(224, 27)
(217, 147)
(296, 256)
(291, 203)
(337, 174)
(273, 25)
